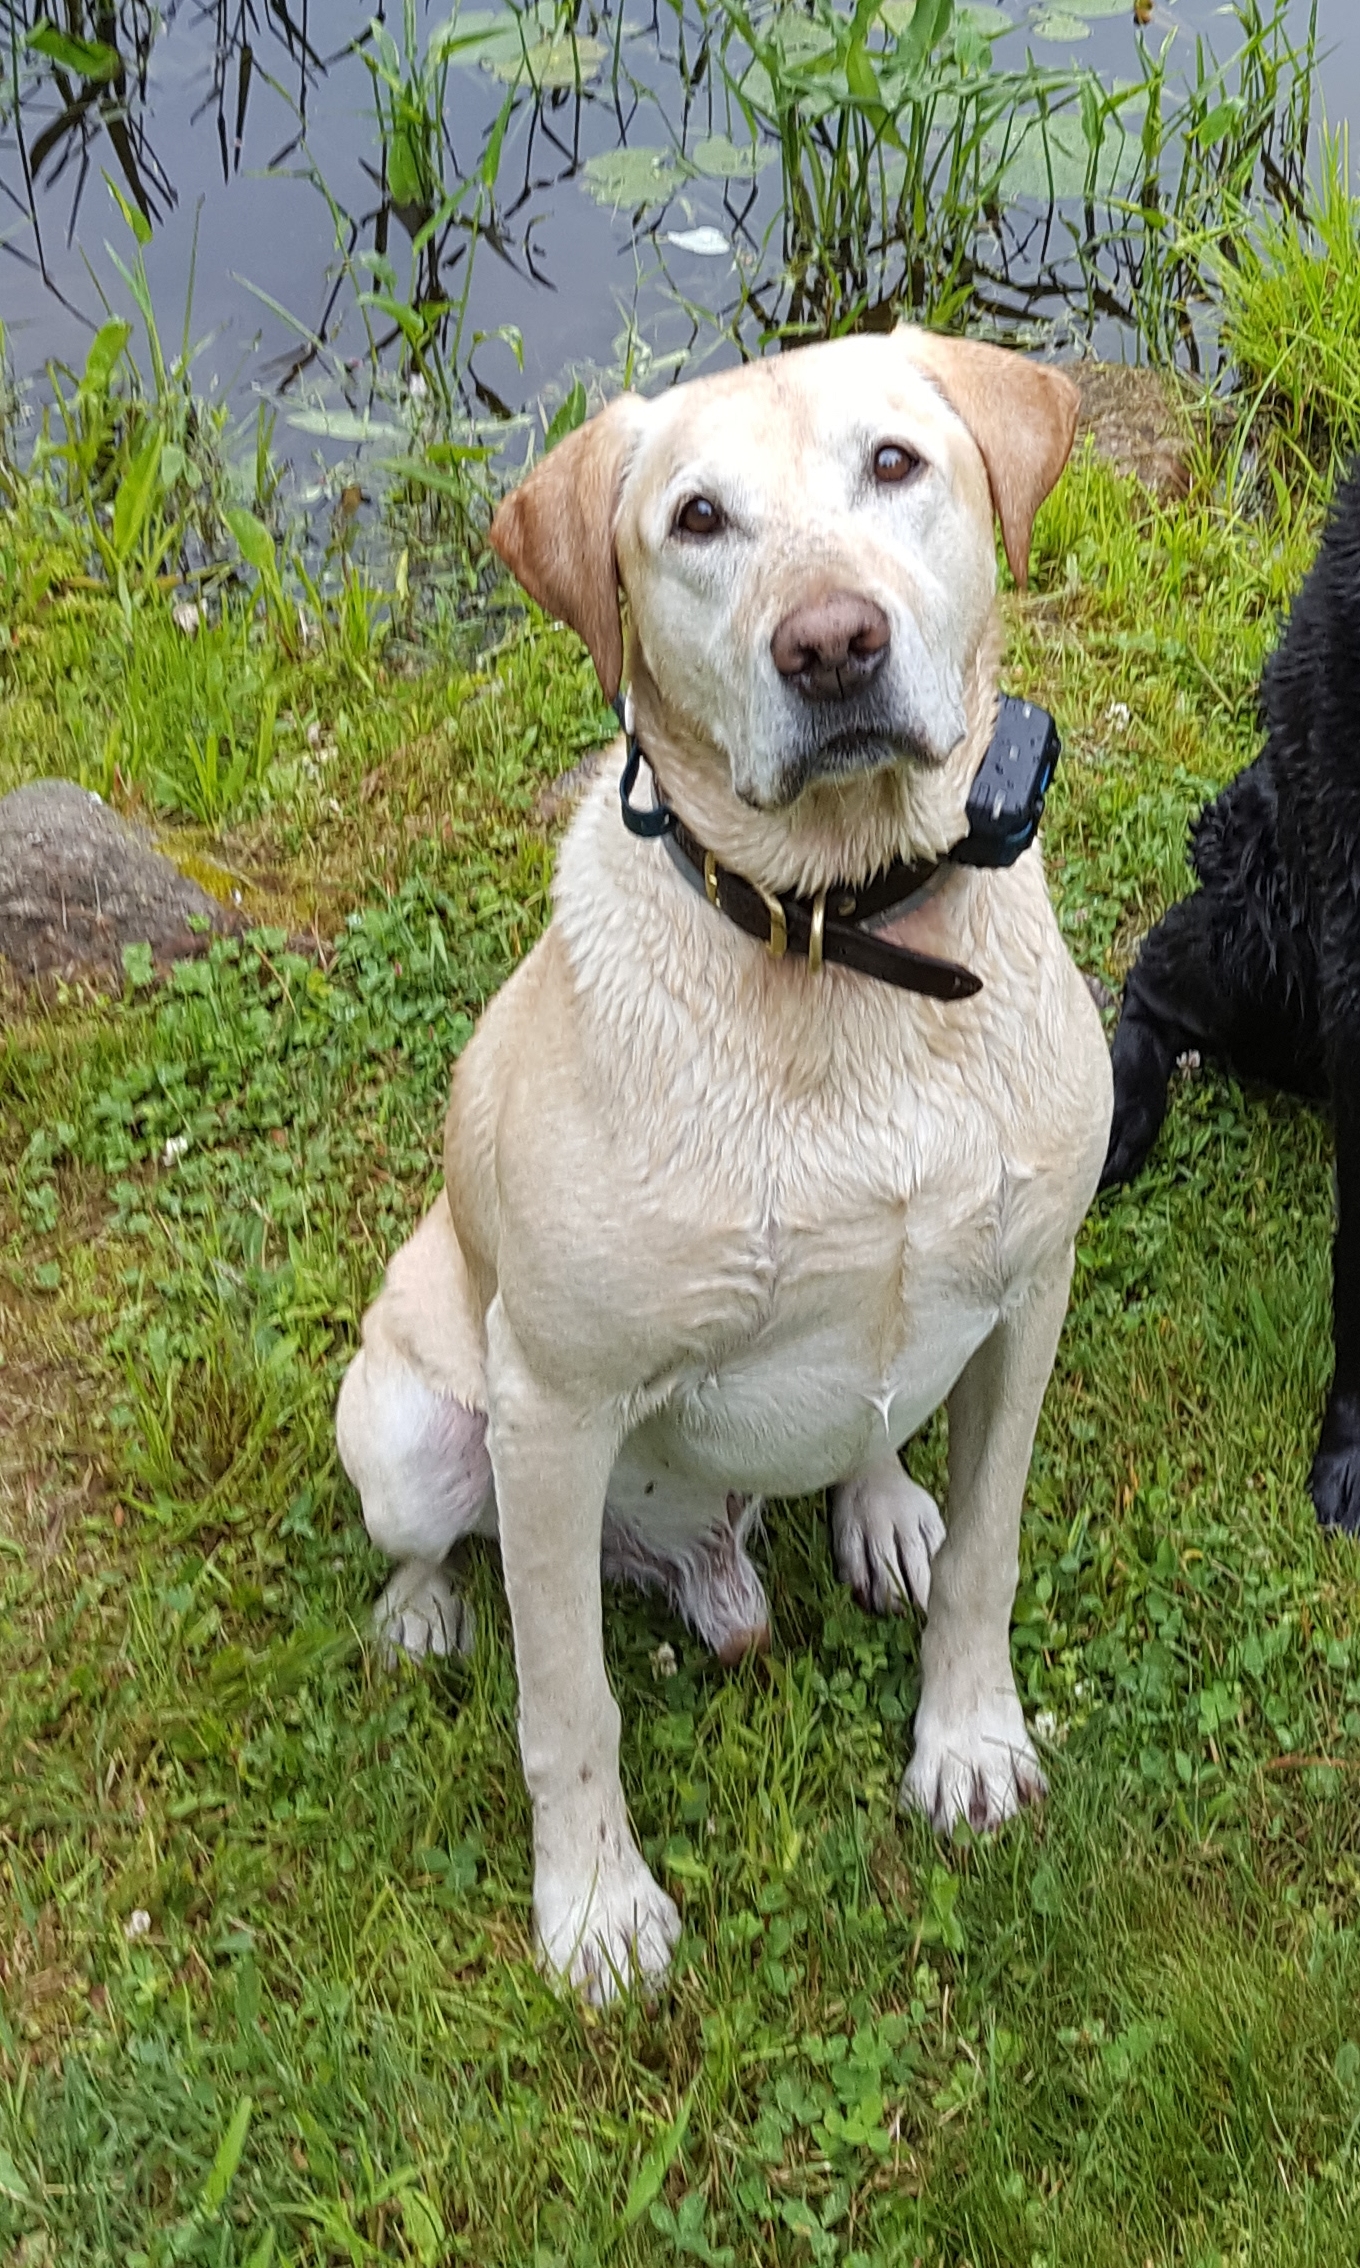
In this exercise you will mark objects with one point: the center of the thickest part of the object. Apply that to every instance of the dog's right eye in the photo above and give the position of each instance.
(699, 516)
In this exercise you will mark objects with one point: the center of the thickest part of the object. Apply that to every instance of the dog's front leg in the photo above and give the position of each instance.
(598, 1914)
(1335, 1478)
(973, 1758)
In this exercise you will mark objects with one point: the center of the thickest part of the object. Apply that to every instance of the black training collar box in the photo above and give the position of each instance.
(1006, 799)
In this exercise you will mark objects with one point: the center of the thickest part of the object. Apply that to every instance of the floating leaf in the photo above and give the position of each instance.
(478, 35)
(632, 177)
(1059, 27)
(992, 23)
(1094, 8)
(724, 160)
(89, 58)
(342, 425)
(707, 243)
(1052, 159)
(554, 62)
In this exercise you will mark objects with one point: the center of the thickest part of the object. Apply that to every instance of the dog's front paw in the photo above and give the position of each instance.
(979, 1766)
(420, 1613)
(885, 1531)
(619, 1929)
(1333, 1482)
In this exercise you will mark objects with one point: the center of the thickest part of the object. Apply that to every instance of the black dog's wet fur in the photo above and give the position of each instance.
(1260, 966)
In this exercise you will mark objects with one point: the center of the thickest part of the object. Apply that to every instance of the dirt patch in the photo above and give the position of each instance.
(1138, 421)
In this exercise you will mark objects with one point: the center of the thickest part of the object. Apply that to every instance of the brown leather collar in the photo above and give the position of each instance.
(835, 924)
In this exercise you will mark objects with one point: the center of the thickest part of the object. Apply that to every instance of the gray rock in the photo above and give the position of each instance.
(77, 884)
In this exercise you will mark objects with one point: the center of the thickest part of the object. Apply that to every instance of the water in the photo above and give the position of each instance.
(576, 282)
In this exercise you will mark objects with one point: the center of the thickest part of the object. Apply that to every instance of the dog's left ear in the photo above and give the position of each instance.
(1022, 415)
(555, 532)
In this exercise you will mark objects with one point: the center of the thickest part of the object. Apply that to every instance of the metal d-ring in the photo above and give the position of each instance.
(777, 943)
(814, 951)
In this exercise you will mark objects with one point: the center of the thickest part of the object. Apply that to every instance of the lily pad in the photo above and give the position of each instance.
(1056, 26)
(632, 178)
(478, 35)
(1095, 7)
(724, 160)
(1052, 160)
(554, 62)
(342, 425)
(993, 23)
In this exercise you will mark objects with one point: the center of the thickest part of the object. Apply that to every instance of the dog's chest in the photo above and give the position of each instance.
(888, 1222)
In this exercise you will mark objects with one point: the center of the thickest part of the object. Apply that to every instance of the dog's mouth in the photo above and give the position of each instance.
(845, 747)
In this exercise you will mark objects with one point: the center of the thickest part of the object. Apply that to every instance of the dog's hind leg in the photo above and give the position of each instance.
(662, 1535)
(411, 1429)
(1334, 1482)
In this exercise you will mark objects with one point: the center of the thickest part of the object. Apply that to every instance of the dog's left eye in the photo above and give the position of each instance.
(893, 463)
(699, 516)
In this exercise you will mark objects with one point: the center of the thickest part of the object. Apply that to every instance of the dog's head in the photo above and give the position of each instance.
(805, 545)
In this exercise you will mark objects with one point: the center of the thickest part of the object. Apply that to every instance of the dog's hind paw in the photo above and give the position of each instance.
(981, 1768)
(617, 1930)
(420, 1613)
(885, 1531)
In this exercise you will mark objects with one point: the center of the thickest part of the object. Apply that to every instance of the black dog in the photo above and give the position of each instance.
(1260, 967)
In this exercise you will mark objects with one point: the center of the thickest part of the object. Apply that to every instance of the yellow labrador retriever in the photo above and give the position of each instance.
(723, 1220)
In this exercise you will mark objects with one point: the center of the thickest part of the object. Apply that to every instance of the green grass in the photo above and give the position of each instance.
(1127, 2030)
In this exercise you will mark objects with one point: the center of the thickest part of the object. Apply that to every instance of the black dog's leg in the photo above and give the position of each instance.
(1174, 1000)
(1334, 1482)
(1229, 971)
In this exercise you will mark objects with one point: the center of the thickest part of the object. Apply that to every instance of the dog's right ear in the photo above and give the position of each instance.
(555, 532)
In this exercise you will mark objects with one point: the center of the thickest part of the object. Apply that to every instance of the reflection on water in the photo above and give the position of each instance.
(601, 168)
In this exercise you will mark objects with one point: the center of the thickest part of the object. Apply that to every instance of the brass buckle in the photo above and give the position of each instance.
(814, 951)
(710, 878)
(777, 943)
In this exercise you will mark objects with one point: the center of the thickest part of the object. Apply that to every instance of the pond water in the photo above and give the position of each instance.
(247, 132)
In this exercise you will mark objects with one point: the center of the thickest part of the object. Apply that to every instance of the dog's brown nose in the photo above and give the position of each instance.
(833, 646)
